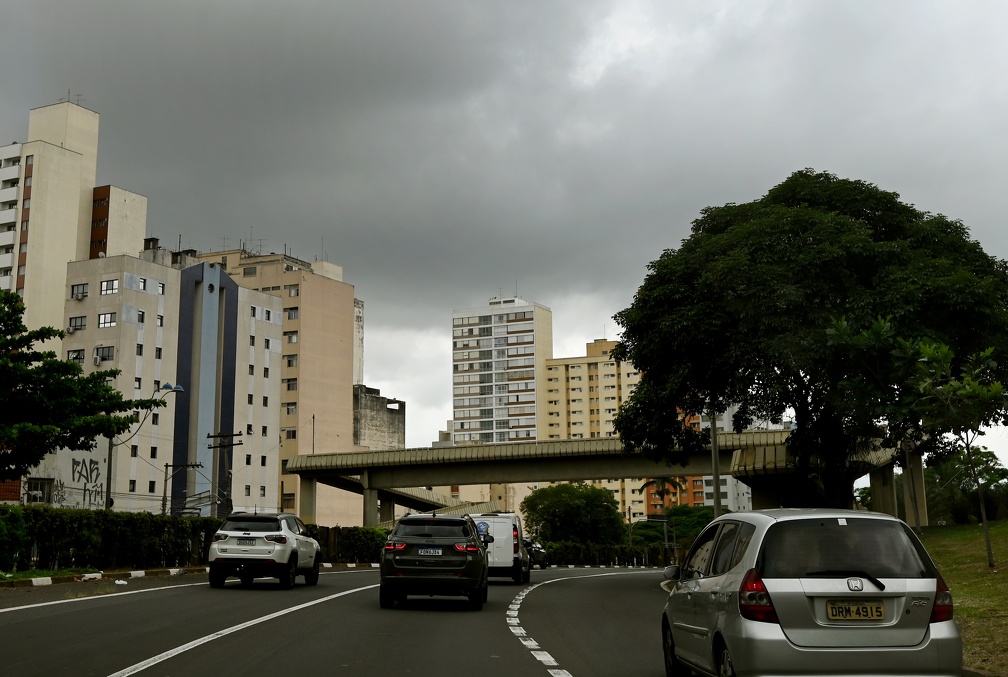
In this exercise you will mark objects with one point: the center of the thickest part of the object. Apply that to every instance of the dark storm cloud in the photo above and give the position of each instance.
(445, 152)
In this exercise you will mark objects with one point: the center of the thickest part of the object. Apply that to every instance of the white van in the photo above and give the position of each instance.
(507, 555)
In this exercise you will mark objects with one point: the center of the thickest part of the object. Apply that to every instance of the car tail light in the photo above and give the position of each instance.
(754, 601)
(467, 547)
(220, 537)
(276, 538)
(942, 609)
(395, 545)
(514, 536)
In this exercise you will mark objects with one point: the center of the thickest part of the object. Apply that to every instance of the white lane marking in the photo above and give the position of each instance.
(130, 592)
(161, 657)
(511, 618)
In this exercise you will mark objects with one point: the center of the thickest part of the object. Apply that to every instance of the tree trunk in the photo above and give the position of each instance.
(983, 508)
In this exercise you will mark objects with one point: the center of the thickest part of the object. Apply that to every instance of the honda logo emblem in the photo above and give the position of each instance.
(855, 584)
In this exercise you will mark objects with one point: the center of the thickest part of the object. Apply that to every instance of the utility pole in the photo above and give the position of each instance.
(164, 486)
(226, 443)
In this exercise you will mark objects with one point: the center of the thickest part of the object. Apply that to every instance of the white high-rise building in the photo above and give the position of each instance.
(499, 354)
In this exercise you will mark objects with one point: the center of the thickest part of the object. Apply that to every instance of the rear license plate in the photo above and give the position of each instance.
(429, 551)
(855, 610)
(246, 541)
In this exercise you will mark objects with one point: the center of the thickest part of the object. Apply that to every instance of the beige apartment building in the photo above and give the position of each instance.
(320, 345)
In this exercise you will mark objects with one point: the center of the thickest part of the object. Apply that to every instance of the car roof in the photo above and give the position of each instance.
(259, 515)
(790, 514)
(431, 515)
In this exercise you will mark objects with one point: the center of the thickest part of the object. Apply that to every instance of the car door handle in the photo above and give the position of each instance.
(714, 592)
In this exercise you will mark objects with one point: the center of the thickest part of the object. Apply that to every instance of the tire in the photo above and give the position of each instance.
(386, 600)
(476, 600)
(673, 666)
(517, 575)
(311, 578)
(486, 591)
(287, 573)
(725, 667)
(217, 577)
(527, 574)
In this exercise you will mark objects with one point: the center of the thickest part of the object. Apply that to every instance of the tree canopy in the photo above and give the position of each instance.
(573, 512)
(744, 313)
(47, 403)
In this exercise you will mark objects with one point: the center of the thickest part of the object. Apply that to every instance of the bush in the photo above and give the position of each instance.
(13, 535)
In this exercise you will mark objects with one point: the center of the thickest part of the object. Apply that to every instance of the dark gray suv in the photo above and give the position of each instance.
(433, 554)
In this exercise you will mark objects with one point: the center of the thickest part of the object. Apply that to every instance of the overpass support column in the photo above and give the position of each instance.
(913, 487)
(386, 508)
(883, 490)
(308, 490)
(370, 502)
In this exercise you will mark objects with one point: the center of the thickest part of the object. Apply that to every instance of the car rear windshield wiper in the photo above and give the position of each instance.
(849, 572)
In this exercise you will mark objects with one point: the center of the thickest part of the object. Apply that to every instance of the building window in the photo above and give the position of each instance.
(248, 271)
(139, 349)
(132, 486)
(283, 466)
(79, 291)
(151, 487)
(291, 407)
(109, 287)
(292, 290)
(106, 320)
(265, 401)
(160, 320)
(157, 353)
(153, 452)
(253, 311)
(143, 284)
(134, 451)
(266, 343)
(262, 491)
(292, 360)
(39, 490)
(140, 317)
(155, 418)
(248, 459)
(76, 356)
(251, 370)
(290, 383)
(268, 314)
(265, 372)
(290, 433)
(252, 341)
(292, 313)
(262, 461)
(250, 398)
(160, 288)
(137, 383)
(248, 490)
(291, 336)
(105, 353)
(78, 323)
(264, 431)
(248, 427)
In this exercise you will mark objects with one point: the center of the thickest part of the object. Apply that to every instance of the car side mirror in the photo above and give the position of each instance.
(673, 572)
(486, 538)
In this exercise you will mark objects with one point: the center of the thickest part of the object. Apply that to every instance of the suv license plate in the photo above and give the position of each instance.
(855, 610)
(429, 551)
(246, 541)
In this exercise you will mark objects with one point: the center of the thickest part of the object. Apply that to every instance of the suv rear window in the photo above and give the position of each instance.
(432, 528)
(256, 525)
(823, 547)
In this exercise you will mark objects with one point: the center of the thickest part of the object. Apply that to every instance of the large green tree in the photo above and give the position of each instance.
(47, 403)
(573, 512)
(740, 315)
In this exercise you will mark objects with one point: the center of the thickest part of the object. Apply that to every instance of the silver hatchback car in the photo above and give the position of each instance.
(808, 592)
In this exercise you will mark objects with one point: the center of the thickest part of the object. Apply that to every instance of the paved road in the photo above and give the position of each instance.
(565, 622)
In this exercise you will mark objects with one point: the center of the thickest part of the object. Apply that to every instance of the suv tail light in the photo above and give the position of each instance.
(220, 537)
(754, 601)
(467, 547)
(276, 538)
(514, 536)
(395, 545)
(943, 607)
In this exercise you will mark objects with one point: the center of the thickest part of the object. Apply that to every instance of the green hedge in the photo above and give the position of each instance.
(594, 554)
(47, 538)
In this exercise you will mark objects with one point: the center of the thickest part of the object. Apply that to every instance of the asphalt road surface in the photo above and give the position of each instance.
(578, 622)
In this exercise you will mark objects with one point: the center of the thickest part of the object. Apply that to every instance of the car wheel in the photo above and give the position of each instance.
(311, 578)
(476, 600)
(517, 574)
(486, 591)
(725, 666)
(217, 577)
(673, 666)
(287, 573)
(527, 574)
(386, 600)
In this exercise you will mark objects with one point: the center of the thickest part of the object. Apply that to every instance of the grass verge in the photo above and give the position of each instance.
(980, 593)
(36, 573)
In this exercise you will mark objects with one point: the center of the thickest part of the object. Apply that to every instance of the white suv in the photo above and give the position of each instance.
(251, 545)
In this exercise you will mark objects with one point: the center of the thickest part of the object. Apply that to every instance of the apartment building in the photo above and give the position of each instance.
(499, 355)
(320, 345)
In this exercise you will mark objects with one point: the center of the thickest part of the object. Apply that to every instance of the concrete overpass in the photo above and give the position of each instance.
(388, 476)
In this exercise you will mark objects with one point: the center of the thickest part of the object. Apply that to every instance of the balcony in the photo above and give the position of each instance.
(8, 194)
(8, 238)
(8, 216)
(10, 172)
(7, 260)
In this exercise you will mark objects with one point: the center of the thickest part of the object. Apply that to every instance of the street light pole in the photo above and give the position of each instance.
(168, 388)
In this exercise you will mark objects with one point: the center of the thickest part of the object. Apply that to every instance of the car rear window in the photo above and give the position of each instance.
(825, 547)
(256, 525)
(432, 528)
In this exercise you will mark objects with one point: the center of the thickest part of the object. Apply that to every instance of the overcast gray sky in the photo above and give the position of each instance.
(447, 152)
